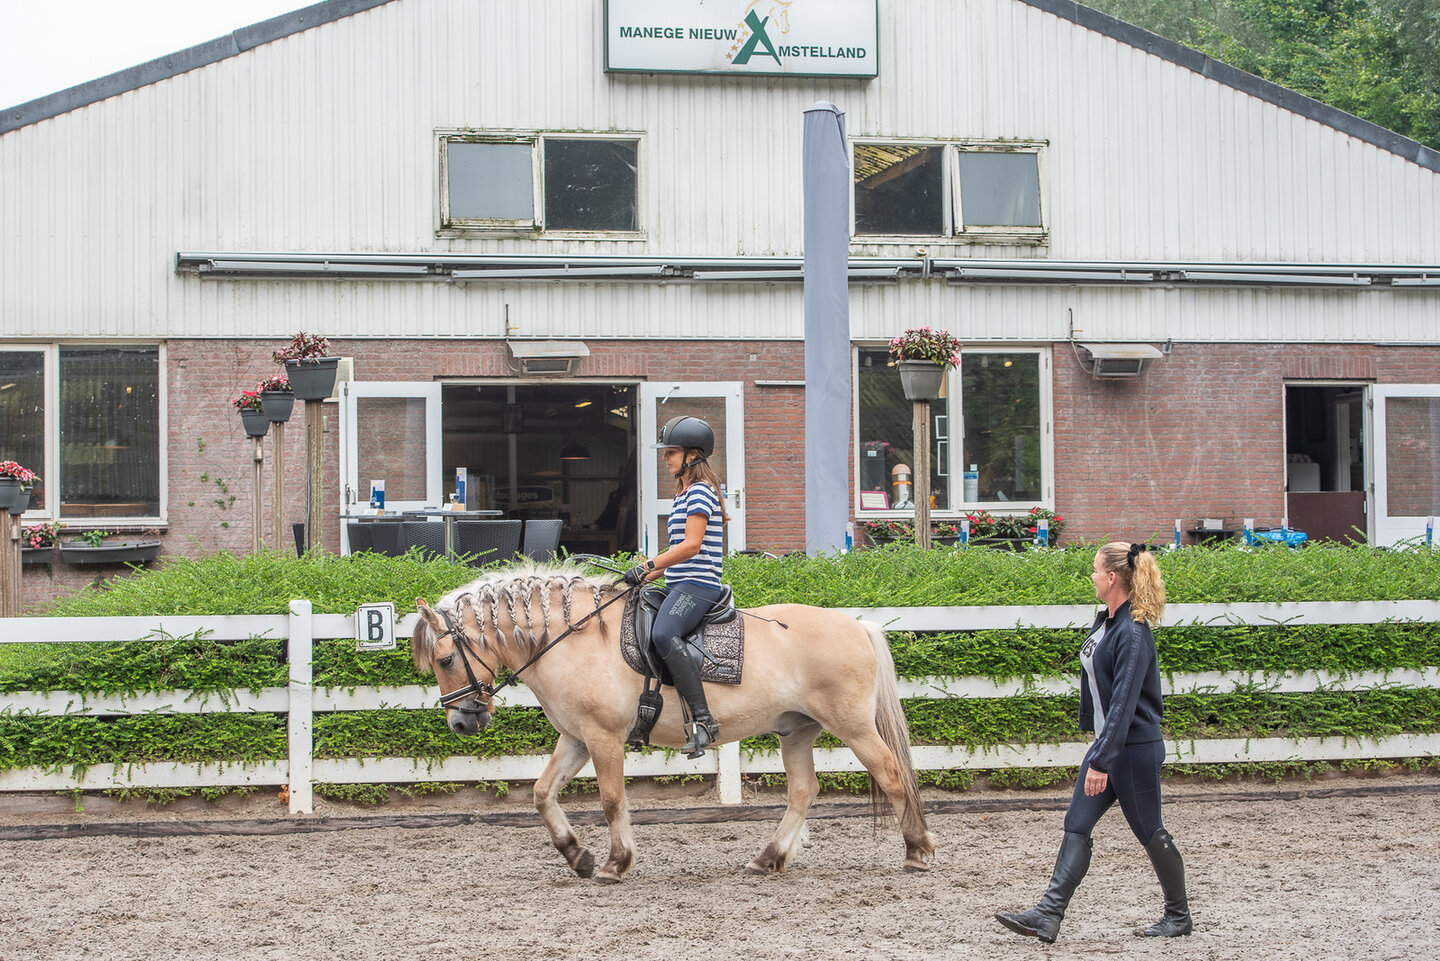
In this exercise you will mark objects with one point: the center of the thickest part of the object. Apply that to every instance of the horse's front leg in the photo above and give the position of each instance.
(797, 750)
(609, 758)
(569, 757)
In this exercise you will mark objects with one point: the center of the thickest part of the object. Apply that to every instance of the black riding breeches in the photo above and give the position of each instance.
(1134, 782)
(680, 613)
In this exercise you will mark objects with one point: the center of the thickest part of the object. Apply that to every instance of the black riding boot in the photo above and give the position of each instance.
(1043, 921)
(686, 676)
(1170, 869)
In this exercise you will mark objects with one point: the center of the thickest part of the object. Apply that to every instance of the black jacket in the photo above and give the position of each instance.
(1127, 672)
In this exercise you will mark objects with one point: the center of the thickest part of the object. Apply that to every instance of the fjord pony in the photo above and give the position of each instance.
(822, 671)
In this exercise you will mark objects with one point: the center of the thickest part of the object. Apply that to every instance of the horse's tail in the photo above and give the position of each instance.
(895, 732)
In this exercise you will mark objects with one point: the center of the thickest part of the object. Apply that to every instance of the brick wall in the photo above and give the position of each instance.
(1199, 435)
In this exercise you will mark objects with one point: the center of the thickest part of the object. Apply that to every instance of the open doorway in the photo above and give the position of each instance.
(1325, 461)
(548, 450)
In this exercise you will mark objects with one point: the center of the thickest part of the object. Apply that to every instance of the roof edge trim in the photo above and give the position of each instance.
(1212, 69)
(182, 61)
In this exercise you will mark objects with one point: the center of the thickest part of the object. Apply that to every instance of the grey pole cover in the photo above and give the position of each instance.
(827, 329)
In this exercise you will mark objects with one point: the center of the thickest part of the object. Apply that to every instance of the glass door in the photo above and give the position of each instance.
(722, 406)
(389, 432)
(1406, 448)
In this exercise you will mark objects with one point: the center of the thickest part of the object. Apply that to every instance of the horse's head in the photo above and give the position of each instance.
(440, 643)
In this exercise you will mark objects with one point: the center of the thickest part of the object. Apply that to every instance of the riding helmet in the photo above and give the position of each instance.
(687, 432)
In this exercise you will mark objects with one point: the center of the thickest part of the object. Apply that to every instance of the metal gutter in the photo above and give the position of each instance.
(293, 265)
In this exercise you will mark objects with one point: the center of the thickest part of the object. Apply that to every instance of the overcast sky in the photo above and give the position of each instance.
(48, 45)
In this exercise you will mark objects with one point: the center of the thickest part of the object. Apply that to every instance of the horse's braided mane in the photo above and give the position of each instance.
(517, 592)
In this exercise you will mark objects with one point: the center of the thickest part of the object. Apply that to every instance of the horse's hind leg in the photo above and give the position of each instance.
(887, 774)
(797, 750)
(569, 757)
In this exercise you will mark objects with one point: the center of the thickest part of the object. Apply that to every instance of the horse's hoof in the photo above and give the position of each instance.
(916, 867)
(585, 867)
(603, 878)
(764, 867)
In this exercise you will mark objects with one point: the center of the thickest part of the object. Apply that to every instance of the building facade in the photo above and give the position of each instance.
(1184, 292)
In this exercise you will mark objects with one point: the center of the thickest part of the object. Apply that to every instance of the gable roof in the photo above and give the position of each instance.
(182, 61)
(246, 38)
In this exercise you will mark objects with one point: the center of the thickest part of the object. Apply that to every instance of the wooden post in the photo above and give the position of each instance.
(922, 473)
(277, 494)
(314, 472)
(10, 569)
(256, 511)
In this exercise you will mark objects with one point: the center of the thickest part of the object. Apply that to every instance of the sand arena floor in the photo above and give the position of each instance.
(1330, 869)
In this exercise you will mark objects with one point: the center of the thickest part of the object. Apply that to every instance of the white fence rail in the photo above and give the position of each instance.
(299, 701)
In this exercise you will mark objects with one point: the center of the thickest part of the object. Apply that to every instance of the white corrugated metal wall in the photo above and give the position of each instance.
(324, 140)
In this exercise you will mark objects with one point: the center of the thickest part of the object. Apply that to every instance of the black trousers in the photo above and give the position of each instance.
(680, 613)
(1134, 782)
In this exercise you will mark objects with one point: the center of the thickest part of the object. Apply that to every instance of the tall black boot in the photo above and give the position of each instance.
(1043, 921)
(1170, 869)
(686, 675)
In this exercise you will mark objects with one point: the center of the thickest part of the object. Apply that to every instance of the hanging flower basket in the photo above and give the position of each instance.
(921, 379)
(924, 355)
(255, 422)
(312, 380)
(15, 484)
(277, 398)
(308, 366)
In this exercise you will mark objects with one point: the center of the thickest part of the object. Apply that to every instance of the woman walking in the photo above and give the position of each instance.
(1120, 701)
(691, 565)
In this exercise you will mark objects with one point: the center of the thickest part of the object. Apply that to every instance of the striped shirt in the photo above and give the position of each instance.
(704, 567)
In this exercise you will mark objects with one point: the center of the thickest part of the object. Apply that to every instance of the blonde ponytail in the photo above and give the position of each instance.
(1140, 574)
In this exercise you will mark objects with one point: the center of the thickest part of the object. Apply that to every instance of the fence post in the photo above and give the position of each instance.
(302, 702)
(727, 773)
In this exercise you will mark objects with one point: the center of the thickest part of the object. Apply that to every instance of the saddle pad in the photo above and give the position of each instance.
(725, 643)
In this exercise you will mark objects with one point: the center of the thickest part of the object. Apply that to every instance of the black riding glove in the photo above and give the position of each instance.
(636, 575)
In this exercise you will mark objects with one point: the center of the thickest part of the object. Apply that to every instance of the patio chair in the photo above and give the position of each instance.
(491, 540)
(426, 535)
(542, 538)
(361, 538)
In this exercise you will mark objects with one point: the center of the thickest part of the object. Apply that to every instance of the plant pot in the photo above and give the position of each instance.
(10, 491)
(118, 552)
(36, 555)
(921, 379)
(256, 423)
(1016, 544)
(22, 503)
(277, 405)
(312, 380)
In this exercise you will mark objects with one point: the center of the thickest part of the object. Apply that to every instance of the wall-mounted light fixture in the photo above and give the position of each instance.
(551, 357)
(1120, 360)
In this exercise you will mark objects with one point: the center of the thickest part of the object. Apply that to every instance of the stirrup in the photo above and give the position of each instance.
(702, 735)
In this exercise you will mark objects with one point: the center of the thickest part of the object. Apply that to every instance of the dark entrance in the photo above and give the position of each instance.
(1325, 460)
(563, 450)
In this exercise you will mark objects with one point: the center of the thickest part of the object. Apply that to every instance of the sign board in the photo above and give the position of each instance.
(801, 38)
(375, 627)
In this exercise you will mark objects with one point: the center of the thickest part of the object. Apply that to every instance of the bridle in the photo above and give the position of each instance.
(483, 691)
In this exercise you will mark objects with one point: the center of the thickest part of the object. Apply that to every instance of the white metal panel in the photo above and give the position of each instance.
(323, 140)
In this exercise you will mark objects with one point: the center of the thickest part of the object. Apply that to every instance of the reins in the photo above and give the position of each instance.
(488, 691)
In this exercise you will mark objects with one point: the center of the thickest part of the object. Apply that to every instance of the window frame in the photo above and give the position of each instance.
(955, 231)
(52, 469)
(955, 453)
(535, 227)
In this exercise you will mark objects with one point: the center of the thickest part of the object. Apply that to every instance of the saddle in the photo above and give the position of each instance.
(717, 645)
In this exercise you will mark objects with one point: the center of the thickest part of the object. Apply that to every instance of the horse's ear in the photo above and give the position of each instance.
(428, 615)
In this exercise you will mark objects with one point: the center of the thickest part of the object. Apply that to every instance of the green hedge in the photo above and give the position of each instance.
(897, 576)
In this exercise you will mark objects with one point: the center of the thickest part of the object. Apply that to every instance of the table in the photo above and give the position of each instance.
(1208, 535)
(450, 517)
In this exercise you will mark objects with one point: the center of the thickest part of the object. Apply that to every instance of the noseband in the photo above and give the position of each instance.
(477, 687)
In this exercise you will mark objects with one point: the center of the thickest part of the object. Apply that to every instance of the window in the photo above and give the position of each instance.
(986, 192)
(569, 183)
(102, 456)
(990, 431)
